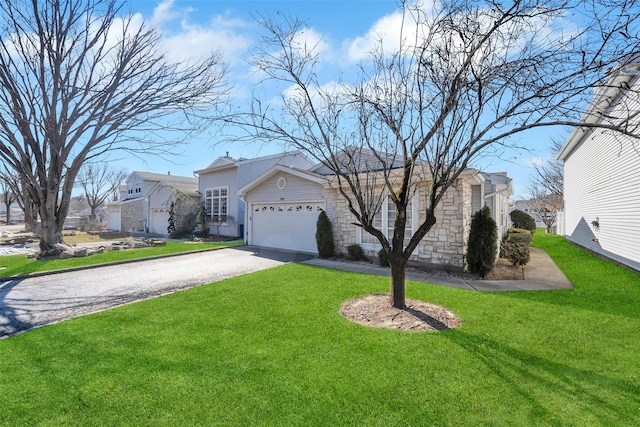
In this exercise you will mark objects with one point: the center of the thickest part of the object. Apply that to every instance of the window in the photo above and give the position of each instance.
(138, 187)
(216, 202)
(385, 221)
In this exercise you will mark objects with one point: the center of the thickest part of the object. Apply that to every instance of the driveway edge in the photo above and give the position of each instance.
(88, 267)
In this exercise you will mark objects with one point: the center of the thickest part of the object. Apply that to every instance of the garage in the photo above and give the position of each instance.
(289, 226)
(114, 218)
(159, 220)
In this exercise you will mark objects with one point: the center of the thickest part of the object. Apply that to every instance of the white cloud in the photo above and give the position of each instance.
(164, 13)
(187, 41)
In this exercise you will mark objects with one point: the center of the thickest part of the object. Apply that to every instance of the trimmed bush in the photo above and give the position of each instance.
(324, 236)
(516, 246)
(355, 252)
(482, 247)
(516, 252)
(383, 258)
(523, 220)
(518, 235)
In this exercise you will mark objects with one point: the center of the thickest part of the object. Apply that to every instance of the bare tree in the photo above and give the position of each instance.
(546, 189)
(7, 192)
(465, 78)
(77, 81)
(99, 182)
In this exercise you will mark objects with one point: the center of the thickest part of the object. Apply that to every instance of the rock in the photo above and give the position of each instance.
(82, 252)
(31, 255)
(157, 242)
(65, 255)
(115, 247)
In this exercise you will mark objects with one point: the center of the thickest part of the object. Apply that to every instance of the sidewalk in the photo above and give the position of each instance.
(540, 274)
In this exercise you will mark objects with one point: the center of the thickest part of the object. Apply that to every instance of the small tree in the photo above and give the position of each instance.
(201, 222)
(483, 243)
(98, 181)
(324, 236)
(172, 219)
(523, 220)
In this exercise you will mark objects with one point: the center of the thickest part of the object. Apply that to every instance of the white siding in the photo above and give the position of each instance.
(602, 183)
(225, 178)
(476, 198)
(296, 190)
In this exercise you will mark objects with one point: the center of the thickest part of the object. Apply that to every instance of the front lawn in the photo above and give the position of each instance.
(19, 264)
(270, 348)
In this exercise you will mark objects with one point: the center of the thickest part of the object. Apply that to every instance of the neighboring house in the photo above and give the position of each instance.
(16, 214)
(219, 182)
(283, 204)
(145, 202)
(602, 176)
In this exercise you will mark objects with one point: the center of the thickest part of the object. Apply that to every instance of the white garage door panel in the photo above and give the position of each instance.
(286, 225)
(159, 220)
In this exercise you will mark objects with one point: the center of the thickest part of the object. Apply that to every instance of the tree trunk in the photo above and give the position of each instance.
(398, 272)
(8, 217)
(52, 221)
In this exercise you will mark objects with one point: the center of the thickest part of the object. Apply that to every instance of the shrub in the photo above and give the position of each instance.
(201, 229)
(517, 235)
(523, 220)
(516, 246)
(383, 258)
(171, 228)
(355, 252)
(516, 252)
(483, 243)
(324, 236)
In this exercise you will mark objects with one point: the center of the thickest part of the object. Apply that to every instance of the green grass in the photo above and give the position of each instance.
(19, 264)
(270, 348)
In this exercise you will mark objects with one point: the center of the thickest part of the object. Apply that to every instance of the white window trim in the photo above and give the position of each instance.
(211, 218)
(415, 211)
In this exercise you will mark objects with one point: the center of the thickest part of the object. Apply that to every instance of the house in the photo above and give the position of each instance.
(283, 204)
(602, 175)
(16, 214)
(146, 199)
(219, 182)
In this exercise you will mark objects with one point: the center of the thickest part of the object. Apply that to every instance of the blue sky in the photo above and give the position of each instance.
(195, 27)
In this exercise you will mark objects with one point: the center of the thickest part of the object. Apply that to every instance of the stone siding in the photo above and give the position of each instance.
(444, 245)
(132, 217)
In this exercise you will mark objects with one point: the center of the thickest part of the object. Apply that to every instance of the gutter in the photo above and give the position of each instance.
(617, 86)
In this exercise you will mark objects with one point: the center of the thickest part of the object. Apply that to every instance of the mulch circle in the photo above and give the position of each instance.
(377, 311)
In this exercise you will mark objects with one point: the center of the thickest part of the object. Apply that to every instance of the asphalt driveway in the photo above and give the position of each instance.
(37, 301)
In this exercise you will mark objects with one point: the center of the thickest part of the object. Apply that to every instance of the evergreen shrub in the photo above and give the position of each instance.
(324, 236)
(523, 220)
(482, 246)
(356, 253)
(383, 258)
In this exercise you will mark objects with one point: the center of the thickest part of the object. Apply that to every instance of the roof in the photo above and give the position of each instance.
(360, 159)
(184, 184)
(617, 84)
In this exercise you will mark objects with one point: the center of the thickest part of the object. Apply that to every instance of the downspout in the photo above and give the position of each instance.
(245, 229)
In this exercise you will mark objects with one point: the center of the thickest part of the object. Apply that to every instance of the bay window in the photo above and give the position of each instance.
(216, 202)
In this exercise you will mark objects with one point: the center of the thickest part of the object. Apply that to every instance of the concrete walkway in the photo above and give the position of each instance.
(540, 274)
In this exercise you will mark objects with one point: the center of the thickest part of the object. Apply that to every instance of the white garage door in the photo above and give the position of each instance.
(113, 219)
(286, 225)
(159, 220)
